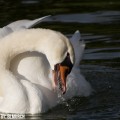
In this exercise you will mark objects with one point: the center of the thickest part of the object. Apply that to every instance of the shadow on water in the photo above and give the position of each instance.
(98, 22)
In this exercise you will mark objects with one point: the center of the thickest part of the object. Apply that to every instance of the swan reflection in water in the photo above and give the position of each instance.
(34, 63)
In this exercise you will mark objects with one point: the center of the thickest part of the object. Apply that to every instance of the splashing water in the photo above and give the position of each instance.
(63, 101)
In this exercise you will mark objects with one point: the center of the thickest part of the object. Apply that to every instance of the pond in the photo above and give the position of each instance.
(99, 24)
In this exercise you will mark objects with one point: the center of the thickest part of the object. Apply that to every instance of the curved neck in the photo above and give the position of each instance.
(10, 46)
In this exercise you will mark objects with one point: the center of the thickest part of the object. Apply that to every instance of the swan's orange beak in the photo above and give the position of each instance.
(60, 73)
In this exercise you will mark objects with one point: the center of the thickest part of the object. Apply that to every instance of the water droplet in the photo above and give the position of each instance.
(63, 100)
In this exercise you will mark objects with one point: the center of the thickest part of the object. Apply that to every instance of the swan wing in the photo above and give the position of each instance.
(24, 24)
(78, 46)
(37, 21)
(21, 24)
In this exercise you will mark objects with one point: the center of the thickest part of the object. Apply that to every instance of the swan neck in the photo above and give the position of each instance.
(9, 49)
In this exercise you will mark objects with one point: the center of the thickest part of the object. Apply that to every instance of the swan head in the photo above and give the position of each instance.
(60, 55)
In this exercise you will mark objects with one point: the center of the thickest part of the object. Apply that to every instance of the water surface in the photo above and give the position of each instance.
(98, 22)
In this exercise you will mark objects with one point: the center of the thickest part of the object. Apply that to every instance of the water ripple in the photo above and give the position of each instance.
(105, 17)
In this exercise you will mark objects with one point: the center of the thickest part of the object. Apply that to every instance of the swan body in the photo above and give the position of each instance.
(36, 85)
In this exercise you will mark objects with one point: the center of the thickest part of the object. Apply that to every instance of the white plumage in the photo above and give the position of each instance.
(32, 91)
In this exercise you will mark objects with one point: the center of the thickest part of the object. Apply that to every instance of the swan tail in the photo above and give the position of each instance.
(78, 45)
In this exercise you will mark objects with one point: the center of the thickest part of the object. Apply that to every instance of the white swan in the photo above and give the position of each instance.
(40, 91)
(14, 89)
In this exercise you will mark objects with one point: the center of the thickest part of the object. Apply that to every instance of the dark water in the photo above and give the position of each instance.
(99, 24)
